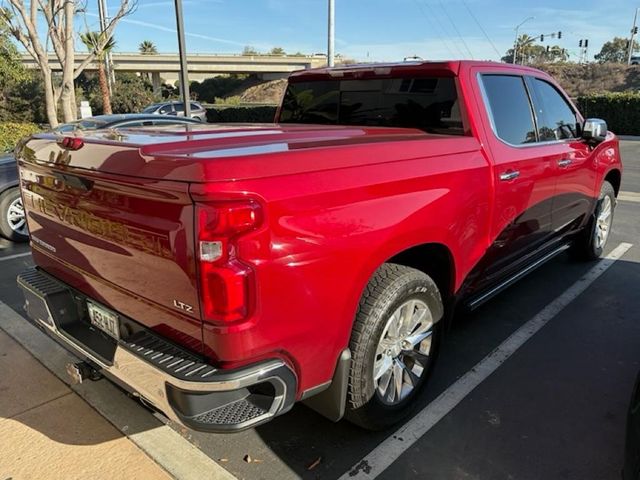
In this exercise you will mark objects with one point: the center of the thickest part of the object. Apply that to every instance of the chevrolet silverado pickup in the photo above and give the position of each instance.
(222, 273)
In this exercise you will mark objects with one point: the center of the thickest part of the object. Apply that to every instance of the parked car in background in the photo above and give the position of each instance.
(632, 445)
(12, 222)
(635, 60)
(123, 120)
(177, 109)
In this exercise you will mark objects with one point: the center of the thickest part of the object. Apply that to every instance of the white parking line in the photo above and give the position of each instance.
(17, 255)
(629, 197)
(388, 451)
(164, 445)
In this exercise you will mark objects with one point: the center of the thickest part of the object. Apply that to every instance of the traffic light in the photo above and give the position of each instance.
(586, 43)
(559, 35)
(635, 30)
(580, 43)
(542, 38)
(548, 48)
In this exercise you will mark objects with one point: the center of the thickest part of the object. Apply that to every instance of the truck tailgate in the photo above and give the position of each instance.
(124, 241)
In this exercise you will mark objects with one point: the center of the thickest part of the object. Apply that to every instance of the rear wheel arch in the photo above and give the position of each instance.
(614, 177)
(434, 259)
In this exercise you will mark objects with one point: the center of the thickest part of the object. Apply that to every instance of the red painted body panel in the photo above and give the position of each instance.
(337, 202)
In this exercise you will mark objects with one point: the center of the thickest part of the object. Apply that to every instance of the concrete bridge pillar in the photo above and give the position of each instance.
(156, 83)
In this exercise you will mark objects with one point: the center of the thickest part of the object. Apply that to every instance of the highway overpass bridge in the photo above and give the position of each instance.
(201, 66)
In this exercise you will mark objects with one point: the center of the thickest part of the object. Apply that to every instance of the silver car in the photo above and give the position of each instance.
(177, 108)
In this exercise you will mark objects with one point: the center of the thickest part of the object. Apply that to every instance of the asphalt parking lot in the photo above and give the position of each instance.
(554, 409)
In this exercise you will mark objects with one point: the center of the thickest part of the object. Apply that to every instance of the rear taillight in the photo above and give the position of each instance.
(71, 143)
(226, 283)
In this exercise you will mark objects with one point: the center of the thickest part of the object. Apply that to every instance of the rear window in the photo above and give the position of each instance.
(429, 104)
(510, 108)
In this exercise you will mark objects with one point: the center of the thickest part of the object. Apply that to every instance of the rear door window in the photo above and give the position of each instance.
(509, 108)
(166, 109)
(556, 118)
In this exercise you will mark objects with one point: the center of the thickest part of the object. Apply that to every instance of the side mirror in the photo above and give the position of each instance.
(594, 130)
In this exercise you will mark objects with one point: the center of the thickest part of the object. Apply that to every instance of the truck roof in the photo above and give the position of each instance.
(443, 67)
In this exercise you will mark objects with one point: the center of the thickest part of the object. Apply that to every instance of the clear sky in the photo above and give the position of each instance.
(377, 30)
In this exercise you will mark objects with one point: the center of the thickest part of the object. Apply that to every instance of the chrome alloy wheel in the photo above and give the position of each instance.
(403, 351)
(15, 217)
(603, 222)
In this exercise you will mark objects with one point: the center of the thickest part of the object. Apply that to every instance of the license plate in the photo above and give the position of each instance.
(104, 319)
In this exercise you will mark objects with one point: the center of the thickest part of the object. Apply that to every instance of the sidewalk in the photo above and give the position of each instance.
(47, 431)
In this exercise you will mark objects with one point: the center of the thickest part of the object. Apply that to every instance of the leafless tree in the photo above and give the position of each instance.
(23, 16)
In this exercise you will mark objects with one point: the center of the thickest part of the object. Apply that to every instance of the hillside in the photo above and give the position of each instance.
(594, 77)
(575, 79)
(266, 93)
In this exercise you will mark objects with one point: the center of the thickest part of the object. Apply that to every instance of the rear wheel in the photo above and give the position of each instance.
(394, 344)
(591, 244)
(13, 223)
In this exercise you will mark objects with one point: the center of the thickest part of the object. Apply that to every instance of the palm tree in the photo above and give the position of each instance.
(98, 44)
(524, 47)
(147, 47)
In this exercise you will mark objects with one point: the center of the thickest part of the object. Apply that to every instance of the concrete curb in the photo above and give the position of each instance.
(165, 446)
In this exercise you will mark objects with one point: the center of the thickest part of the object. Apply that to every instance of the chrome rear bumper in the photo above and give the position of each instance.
(176, 382)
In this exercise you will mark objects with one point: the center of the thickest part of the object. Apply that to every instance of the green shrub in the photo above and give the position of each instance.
(241, 114)
(222, 86)
(621, 111)
(235, 100)
(12, 132)
(131, 93)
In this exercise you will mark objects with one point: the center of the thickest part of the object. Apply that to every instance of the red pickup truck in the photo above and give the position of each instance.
(224, 272)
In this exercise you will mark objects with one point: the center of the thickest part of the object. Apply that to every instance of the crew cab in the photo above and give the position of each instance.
(223, 273)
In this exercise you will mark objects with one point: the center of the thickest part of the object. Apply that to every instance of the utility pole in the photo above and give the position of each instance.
(184, 74)
(515, 43)
(331, 34)
(634, 30)
(102, 15)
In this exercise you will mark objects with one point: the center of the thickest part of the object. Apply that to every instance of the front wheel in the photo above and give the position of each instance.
(394, 344)
(591, 244)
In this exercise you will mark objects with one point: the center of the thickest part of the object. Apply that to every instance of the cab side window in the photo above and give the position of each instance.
(509, 108)
(166, 109)
(556, 118)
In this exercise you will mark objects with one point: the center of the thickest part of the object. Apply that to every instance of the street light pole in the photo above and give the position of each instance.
(633, 36)
(184, 74)
(331, 33)
(102, 15)
(515, 43)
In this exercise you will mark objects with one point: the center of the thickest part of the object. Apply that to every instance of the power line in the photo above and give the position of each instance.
(456, 29)
(441, 27)
(433, 26)
(482, 29)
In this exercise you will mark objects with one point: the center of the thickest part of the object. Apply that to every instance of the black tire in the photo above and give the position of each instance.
(390, 287)
(586, 247)
(6, 199)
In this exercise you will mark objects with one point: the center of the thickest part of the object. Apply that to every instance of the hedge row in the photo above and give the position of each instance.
(241, 114)
(12, 132)
(621, 111)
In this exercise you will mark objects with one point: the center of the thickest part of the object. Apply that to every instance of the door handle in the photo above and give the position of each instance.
(509, 175)
(565, 162)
